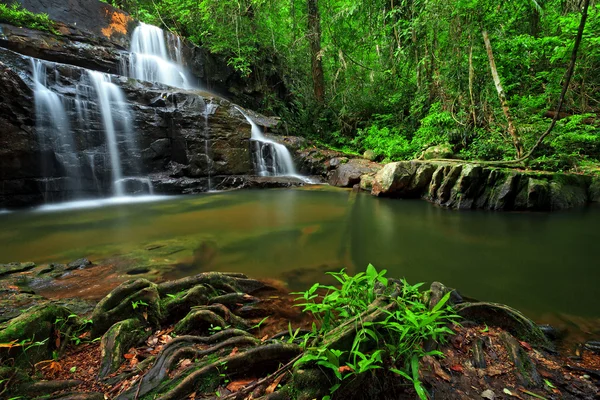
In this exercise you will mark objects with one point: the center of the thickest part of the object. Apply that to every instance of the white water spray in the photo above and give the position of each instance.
(149, 59)
(266, 150)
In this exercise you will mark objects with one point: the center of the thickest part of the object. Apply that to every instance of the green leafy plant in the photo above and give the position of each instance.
(137, 303)
(18, 16)
(399, 336)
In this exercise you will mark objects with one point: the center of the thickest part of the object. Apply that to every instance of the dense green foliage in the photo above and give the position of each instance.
(400, 335)
(402, 75)
(18, 16)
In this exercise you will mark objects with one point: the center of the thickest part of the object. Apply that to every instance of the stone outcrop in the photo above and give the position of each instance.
(472, 186)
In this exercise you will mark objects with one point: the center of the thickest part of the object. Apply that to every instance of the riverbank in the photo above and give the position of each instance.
(228, 336)
(456, 184)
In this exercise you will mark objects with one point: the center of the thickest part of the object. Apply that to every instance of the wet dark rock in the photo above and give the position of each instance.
(438, 290)
(551, 332)
(13, 303)
(80, 263)
(593, 346)
(13, 268)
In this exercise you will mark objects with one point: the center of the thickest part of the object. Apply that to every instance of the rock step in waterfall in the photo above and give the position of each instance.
(99, 102)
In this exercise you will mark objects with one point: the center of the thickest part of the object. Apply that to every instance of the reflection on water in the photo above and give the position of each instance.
(537, 262)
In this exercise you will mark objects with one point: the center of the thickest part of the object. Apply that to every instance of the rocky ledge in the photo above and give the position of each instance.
(472, 186)
(454, 184)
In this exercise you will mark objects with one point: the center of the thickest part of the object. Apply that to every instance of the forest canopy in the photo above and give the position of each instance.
(399, 76)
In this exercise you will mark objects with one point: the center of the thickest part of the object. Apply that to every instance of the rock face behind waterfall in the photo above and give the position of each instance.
(188, 140)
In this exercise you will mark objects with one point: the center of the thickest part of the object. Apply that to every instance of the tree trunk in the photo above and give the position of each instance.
(502, 96)
(471, 78)
(314, 38)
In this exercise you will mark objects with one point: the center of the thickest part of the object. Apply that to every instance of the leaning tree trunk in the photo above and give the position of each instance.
(502, 96)
(314, 38)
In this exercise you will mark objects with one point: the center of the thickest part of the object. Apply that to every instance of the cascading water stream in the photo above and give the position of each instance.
(108, 93)
(149, 59)
(268, 150)
(53, 127)
(210, 109)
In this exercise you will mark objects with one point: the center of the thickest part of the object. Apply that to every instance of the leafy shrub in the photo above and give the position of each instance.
(18, 16)
(400, 336)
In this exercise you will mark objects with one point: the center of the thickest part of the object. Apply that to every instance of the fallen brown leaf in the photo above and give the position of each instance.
(264, 338)
(271, 388)
(457, 368)
(237, 385)
(526, 345)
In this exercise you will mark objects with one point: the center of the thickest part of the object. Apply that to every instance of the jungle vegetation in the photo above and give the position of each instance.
(398, 76)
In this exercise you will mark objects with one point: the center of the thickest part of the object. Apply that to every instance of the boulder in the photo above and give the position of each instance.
(439, 151)
(348, 174)
(402, 179)
(369, 155)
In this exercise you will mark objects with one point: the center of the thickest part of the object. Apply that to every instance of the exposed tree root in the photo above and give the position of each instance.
(253, 360)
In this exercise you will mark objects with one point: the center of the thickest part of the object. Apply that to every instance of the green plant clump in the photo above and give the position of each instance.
(18, 16)
(399, 336)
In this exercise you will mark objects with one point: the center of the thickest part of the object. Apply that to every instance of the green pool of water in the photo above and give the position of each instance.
(538, 262)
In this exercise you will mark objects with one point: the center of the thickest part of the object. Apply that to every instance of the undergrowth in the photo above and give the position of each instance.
(399, 336)
(14, 14)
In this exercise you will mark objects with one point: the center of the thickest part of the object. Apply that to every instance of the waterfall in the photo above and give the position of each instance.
(109, 93)
(53, 129)
(209, 109)
(269, 157)
(116, 118)
(149, 59)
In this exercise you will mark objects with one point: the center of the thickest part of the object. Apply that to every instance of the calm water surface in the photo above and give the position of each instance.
(538, 262)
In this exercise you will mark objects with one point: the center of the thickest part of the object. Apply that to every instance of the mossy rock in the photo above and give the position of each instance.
(594, 189)
(369, 155)
(366, 182)
(12, 268)
(132, 299)
(35, 329)
(439, 151)
(504, 317)
(117, 340)
(567, 191)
